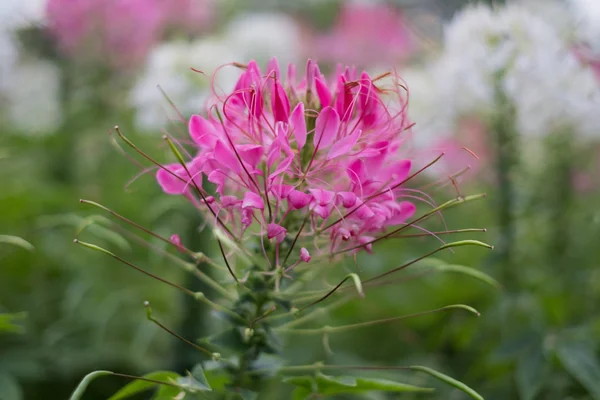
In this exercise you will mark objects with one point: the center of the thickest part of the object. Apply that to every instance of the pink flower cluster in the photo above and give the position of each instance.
(366, 34)
(317, 160)
(121, 32)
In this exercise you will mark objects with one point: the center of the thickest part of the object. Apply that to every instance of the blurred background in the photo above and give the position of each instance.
(516, 83)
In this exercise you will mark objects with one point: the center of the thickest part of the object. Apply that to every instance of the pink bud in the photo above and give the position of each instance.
(304, 255)
(310, 74)
(276, 231)
(176, 240)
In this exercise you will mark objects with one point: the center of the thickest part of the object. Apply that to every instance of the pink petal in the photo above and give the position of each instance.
(357, 171)
(322, 211)
(326, 128)
(323, 92)
(322, 197)
(253, 200)
(226, 157)
(280, 103)
(251, 153)
(202, 132)
(298, 199)
(298, 125)
(276, 231)
(171, 184)
(247, 214)
(304, 255)
(366, 239)
(281, 191)
(229, 201)
(348, 199)
(310, 74)
(399, 171)
(218, 178)
(343, 146)
(405, 211)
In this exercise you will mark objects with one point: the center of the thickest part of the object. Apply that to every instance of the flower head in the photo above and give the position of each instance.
(311, 158)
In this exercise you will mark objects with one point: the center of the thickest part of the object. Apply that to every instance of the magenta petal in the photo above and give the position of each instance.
(250, 153)
(348, 199)
(323, 92)
(399, 171)
(253, 200)
(218, 178)
(367, 242)
(322, 211)
(226, 157)
(310, 74)
(298, 125)
(322, 197)
(276, 231)
(343, 146)
(202, 132)
(281, 191)
(326, 128)
(405, 210)
(298, 199)
(171, 184)
(281, 103)
(356, 171)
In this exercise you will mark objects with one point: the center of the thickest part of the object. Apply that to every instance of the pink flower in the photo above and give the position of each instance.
(365, 34)
(328, 153)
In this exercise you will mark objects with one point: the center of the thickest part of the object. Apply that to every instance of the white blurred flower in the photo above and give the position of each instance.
(169, 67)
(29, 87)
(587, 13)
(262, 36)
(250, 36)
(33, 95)
(15, 14)
(522, 54)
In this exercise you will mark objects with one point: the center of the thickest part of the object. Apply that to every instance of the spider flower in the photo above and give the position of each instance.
(313, 160)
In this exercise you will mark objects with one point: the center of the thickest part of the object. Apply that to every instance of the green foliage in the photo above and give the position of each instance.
(580, 361)
(138, 386)
(8, 322)
(325, 385)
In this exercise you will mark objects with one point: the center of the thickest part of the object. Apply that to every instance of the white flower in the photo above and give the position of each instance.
(250, 36)
(517, 51)
(33, 95)
(587, 13)
(262, 36)
(169, 67)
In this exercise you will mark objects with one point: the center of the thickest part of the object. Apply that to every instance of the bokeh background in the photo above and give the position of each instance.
(515, 83)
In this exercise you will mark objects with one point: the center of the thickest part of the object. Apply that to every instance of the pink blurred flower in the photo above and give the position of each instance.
(466, 151)
(120, 32)
(366, 35)
(327, 152)
(587, 57)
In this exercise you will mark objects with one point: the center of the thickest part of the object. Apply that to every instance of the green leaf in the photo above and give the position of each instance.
(330, 385)
(448, 380)
(461, 269)
(10, 388)
(86, 381)
(195, 381)
(17, 241)
(92, 224)
(7, 322)
(138, 386)
(579, 360)
(531, 369)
